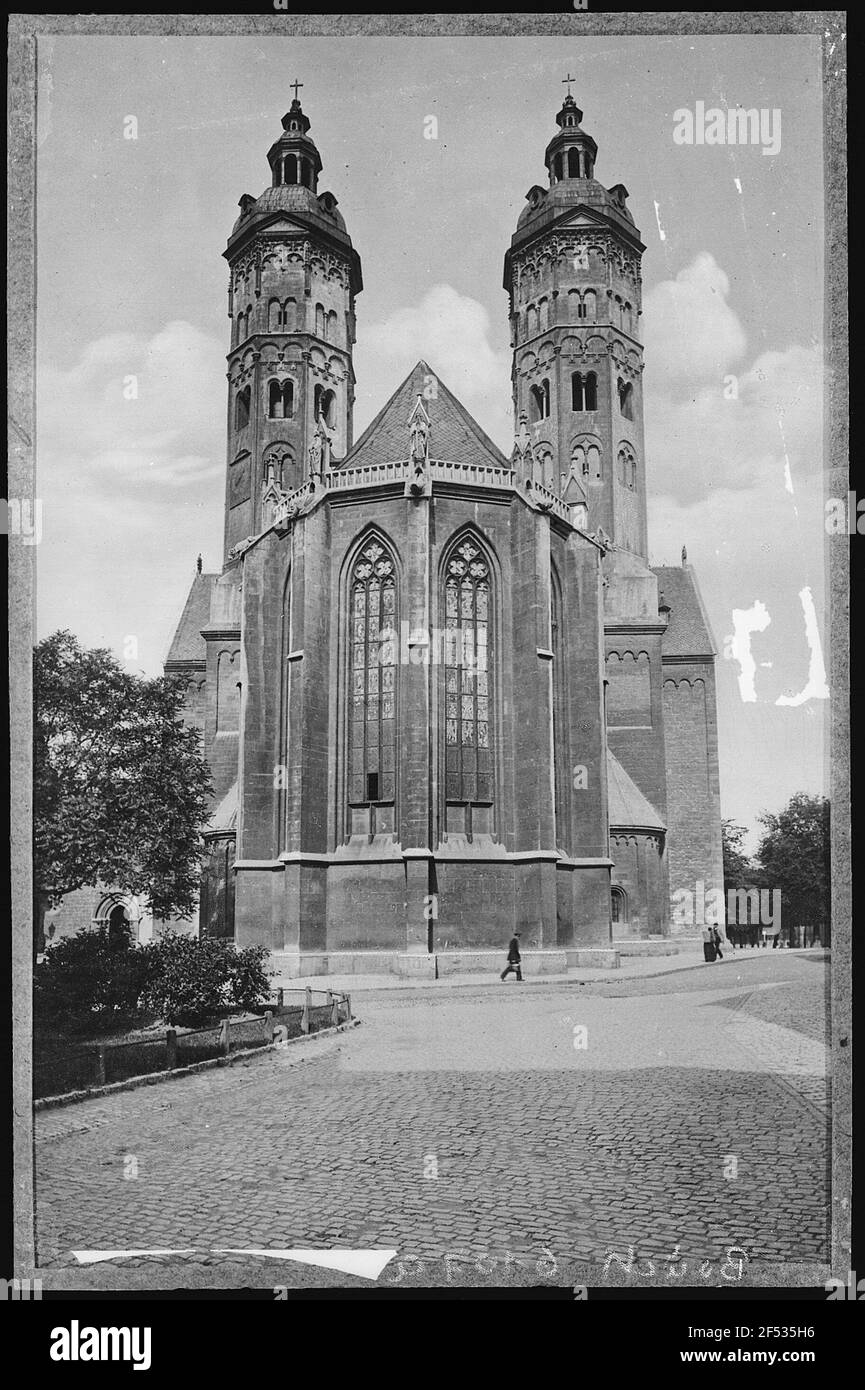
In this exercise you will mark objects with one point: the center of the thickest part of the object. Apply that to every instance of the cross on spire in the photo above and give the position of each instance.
(296, 85)
(569, 80)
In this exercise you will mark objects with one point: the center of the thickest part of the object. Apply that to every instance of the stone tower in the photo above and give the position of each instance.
(440, 691)
(573, 276)
(291, 300)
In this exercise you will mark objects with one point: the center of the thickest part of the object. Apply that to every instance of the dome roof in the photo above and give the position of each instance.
(293, 197)
(568, 193)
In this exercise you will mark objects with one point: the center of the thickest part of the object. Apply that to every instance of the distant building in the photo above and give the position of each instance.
(442, 693)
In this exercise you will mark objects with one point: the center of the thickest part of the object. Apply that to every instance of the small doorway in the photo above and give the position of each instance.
(118, 925)
(619, 905)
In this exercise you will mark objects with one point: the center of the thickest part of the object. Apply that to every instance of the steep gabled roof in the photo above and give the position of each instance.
(188, 643)
(689, 632)
(454, 436)
(627, 805)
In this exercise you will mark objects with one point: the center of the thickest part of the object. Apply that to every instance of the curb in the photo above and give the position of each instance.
(133, 1083)
(727, 959)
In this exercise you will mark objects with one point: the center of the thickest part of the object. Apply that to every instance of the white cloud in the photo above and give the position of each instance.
(691, 333)
(451, 332)
(708, 426)
(131, 489)
(171, 431)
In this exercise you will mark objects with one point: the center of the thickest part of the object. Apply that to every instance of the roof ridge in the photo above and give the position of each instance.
(453, 405)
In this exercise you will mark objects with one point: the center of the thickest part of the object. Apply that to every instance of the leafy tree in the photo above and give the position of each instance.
(121, 791)
(739, 871)
(793, 856)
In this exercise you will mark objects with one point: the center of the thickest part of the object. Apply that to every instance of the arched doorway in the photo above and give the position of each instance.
(119, 914)
(619, 907)
(118, 925)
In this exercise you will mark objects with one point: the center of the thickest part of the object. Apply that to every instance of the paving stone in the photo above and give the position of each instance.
(537, 1147)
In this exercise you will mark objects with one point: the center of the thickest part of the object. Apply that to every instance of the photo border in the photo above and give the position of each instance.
(25, 31)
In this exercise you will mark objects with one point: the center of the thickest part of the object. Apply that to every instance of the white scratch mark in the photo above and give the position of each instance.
(737, 645)
(816, 687)
(661, 233)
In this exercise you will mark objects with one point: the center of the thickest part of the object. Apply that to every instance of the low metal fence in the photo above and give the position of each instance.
(60, 1067)
(751, 935)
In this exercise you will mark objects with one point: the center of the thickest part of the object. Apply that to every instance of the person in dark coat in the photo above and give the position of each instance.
(708, 944)
(717, 939)
(514, 958)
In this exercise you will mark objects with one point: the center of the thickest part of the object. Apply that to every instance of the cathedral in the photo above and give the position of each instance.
(442, 693)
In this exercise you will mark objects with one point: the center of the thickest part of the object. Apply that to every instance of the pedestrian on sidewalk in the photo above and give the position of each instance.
(514, 957)
(717, 939)
(708, 944)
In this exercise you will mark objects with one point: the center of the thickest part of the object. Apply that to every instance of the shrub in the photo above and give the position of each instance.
(186, 979)
(189, 981)
(250, 978)
(89, 982)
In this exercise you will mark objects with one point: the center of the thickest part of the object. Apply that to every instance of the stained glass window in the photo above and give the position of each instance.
(372, 685)
(468, 730)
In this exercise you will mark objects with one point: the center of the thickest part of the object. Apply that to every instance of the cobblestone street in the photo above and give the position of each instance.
(486, 1135)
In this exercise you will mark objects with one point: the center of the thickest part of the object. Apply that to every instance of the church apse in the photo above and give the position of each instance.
(437, 686)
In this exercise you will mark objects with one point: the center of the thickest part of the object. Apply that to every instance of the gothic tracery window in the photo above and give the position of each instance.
(468, 696)
(372, 688)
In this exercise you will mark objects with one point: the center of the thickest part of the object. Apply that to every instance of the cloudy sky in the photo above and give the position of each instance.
(131, 281)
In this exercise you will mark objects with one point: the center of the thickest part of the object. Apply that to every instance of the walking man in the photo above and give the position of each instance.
(513, 957)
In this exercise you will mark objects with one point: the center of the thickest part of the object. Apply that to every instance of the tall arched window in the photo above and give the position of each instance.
(331, 326)
(319, 320)
(626, 398)
(628, 467)
(289, 315)
(584, 391)
(323, 405)
(539, 400)
(241, 408)
(372, 687)
(469, 729)
(274, 315)
(586, 457)
(590, 304)
(545, 468)
(573, 164)
(280, 402)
